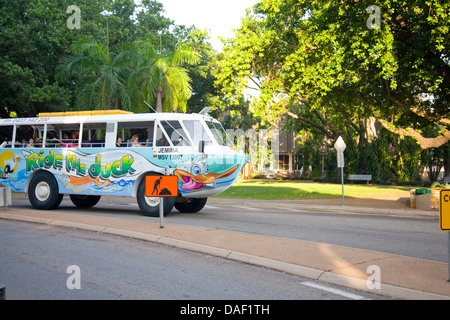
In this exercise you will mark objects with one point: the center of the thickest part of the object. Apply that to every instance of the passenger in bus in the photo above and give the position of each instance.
(30, 143)
(119, 142)
(74, 142)
(162, 142)
(62, 143)
(135, 141)
(66, 143)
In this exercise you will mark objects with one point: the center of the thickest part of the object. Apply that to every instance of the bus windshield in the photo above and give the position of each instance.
(219, 134)
(196, 131)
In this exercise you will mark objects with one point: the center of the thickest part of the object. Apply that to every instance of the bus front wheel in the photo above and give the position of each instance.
(43, 192)
(150, 205)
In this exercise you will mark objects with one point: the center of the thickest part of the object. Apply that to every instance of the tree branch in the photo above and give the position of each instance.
(315, 125)
(424, 143)
(414, 110)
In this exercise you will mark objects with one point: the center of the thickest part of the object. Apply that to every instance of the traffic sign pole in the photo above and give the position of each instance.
(444, 220)
(448, 262)
(342, 181)
(161, 212)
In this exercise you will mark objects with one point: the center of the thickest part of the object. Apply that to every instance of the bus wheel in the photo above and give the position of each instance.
(191, 205)
(150, 205)
(84, 201)
(43, 192)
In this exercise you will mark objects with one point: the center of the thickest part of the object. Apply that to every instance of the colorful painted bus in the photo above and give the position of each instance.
(91, 154)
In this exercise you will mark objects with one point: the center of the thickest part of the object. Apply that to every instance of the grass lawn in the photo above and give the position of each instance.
(291, 190)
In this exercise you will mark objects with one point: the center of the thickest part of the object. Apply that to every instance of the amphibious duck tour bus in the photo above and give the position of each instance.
(91, 154)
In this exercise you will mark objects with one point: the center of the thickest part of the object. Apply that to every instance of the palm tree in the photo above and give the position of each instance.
(161, 77)
(102, 76)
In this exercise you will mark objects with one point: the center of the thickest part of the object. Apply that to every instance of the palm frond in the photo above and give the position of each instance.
(185, 55)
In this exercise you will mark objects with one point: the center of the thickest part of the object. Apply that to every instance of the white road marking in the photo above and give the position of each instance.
(248, 208)
(212, 207)
(333, 290)
(295, 210)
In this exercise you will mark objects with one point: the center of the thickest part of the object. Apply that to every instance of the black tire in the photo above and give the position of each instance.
(43, 192)
(150, 205)
(190, 205)
(82, 201)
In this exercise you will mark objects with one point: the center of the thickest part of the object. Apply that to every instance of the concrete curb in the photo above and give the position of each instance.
(310, 273)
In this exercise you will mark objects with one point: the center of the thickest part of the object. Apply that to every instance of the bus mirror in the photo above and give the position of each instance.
(201, 146)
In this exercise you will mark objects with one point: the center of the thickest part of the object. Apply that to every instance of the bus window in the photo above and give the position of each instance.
(142, 129)
(161, 138)
(176, 133)
(93, 135)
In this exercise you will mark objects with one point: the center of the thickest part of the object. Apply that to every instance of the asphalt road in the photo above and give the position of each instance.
(413, 236)
(44, 262)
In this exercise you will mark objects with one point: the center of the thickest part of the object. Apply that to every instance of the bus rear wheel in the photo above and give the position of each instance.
(82, 201)
(150, 205)
(43, 192)
(190, 205)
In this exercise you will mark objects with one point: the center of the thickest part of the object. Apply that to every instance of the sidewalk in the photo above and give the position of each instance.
(401, 277)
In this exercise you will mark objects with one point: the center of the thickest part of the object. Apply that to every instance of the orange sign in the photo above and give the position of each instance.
(444, 210)
(161, 186)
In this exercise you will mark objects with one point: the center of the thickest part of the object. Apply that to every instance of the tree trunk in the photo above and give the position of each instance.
(116, 105)
(159, 96)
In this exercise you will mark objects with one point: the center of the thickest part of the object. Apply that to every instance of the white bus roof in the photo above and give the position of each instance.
(100, 117)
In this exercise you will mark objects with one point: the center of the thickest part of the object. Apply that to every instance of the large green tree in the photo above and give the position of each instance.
(101, 75)
(35, 36)
(162, 78)
(315, 58)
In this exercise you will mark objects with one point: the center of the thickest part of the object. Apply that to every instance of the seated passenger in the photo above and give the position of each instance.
(162, 142)
(135, 141)
(66, 142)
(30, 143)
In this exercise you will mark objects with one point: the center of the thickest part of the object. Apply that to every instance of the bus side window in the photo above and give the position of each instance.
(161, 139)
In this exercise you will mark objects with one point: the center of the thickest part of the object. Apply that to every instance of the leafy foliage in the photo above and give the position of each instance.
(321, 55)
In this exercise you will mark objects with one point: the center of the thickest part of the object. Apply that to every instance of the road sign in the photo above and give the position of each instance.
(444, 210)
(161, 186)
(340, 147)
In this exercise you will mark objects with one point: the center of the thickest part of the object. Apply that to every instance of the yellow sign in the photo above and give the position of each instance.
(444, 210)
(161, 186)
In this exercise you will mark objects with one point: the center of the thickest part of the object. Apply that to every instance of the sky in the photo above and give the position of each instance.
(220, 17)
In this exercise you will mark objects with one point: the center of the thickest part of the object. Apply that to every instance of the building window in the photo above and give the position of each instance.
(283, 161)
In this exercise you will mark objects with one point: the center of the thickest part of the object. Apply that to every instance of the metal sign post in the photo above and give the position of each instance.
(340, 147)
(161, 212)
(161, 186)
(444, 220)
